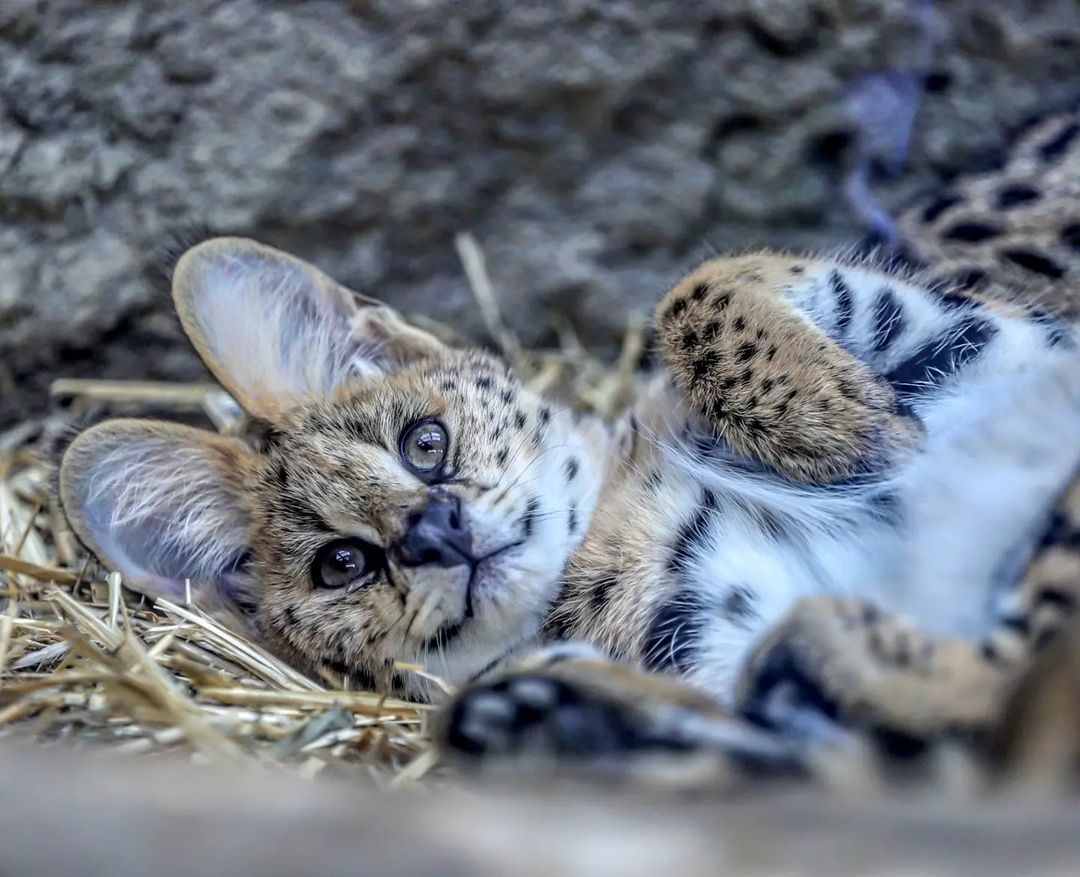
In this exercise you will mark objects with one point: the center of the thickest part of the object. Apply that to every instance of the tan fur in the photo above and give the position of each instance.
(774, 386)
(334, 380)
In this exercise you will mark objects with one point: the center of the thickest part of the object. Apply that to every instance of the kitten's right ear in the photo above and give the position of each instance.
(275, 330)
(164, 505)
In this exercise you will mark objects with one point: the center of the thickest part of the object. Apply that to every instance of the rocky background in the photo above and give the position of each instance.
(594, 147)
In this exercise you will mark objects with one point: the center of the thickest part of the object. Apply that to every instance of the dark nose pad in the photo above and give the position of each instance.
(438, 535)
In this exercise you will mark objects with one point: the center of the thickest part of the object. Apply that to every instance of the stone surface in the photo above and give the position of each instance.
(594, 147)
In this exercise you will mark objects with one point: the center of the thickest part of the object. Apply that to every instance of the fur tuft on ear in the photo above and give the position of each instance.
(163, 505)
(275, 330)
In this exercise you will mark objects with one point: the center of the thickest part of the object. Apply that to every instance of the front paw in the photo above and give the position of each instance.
(537, 714)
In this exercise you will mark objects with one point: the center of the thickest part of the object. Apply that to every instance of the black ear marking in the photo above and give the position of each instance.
(163, 260)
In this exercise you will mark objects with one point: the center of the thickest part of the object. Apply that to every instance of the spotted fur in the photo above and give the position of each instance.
(826, 498)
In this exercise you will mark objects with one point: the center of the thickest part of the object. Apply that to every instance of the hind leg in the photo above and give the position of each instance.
(869, 669)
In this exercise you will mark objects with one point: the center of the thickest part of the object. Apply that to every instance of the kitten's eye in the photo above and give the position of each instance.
(424, 446)
(342, 562)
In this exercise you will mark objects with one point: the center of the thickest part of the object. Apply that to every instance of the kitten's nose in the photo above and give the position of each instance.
(438, 535)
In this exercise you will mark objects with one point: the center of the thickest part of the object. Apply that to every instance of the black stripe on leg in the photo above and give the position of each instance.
(888, 320)
(941, 357)
(844, 303)
(674, 635)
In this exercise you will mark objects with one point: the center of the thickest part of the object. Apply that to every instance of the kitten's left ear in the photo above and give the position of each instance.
(275, 330)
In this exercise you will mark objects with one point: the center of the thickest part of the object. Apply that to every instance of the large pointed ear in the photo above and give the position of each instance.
(274, 330)
(164, 505)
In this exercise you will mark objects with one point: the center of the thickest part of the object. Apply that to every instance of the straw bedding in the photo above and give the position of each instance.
(84, 660)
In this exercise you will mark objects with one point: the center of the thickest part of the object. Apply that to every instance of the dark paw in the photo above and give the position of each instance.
(785, 695)
(533, 714)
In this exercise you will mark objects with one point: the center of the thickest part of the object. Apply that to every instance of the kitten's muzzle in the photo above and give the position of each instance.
(437, 536)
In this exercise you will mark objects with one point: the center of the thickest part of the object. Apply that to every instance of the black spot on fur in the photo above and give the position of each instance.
(888, 320)
(1058, 332)
(938, 206)
(737, 606)
(677, 307)
(1036, 262)
(502, 456)
(703, 363)
(700, 291)
(844, 303)
(483, 383)
(771, 354)
(508, 396)
(600, 591)
(941, 357)
(528, 519)
(571, 469)
(721, 301)
(299, 512)
(1070, 236)
(1055, 146)
(739, 324)
(693, 534)
(571, 520)
(796, 269)
(1019, 624)
(281, 476)
(971, 232)
(970, 278)
(748, 350)
(1016, 194)
(1058, 599)
(689, 339)
(674, 635)
(519, 419)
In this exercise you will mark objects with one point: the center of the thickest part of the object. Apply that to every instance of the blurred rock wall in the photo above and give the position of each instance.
(594, 147)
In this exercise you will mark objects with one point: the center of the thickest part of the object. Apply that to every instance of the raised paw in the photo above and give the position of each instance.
(774, 384)
(847, 662)
(535, 714)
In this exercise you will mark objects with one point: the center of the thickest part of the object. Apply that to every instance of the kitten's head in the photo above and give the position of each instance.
(408, 503)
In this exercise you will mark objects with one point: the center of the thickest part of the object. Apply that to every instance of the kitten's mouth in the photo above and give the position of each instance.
(475, 568)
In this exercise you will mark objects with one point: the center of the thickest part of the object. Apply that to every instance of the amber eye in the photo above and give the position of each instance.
(423, 446)
(343, 562)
